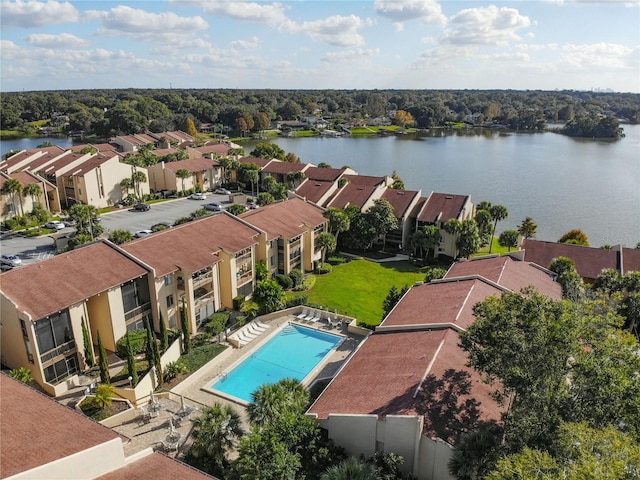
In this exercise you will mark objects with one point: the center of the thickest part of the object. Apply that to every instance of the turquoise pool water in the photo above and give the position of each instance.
(292, 353)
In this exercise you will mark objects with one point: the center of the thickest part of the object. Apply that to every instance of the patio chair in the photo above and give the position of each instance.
(261, 324)
(313, 316)
(253, 327)
(303, 315)
(335, 322)
(145, 416)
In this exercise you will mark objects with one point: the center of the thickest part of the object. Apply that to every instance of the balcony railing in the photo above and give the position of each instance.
(201, 279)
(244, 277)
(204, 299)
(136, 312)
(56, 352)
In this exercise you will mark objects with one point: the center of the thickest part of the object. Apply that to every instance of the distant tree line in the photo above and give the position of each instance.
(112, 112)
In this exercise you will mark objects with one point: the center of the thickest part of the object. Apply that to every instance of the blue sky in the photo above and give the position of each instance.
(342, 44)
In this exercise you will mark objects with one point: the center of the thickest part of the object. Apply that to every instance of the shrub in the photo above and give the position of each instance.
(323, 268)
(173, 369)
(434, 274)
(241, 320)
(335, 260)
(284, 280)
(238, 301)
(22, 374)
(309, 282)
(297, 300)
(297, 277)
(10, 223)
(138, 339)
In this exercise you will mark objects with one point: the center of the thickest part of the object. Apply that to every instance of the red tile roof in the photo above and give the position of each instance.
(192, 164)
(156, 466)
(449, 302)
(589, 261)
(192, 246)
(59, 163)
(352, 194)
(282, 168)
(400, 200)
(36, 430)
(441, 207)
(314, 190)
(324, 174)
(285, 219)
(631, 260)
(65, 279)
(19, 157)
(91, 164)
(396, 364)
(36, 164)
(261, 162)
(509, 273)
(365, 180)
(218, 148)
(24, 177)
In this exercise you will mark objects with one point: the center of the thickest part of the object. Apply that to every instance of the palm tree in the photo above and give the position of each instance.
(498, 212)
(271, 401)
(432, 237)
(418, 242)
(33, 190)
(338, 221)
(527, 228)
(326, 242)
(475, 453)
(215, 433)
(453, 226)
(352, 469)
(137, 178)
(85, 217)
(183, 173)
(13, 188)
(127, 184)
(294, 177)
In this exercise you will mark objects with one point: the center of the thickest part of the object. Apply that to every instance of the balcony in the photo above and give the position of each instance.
(202, 279)
(137, 312)
(58, 351)
(244, 277)
(203, 299)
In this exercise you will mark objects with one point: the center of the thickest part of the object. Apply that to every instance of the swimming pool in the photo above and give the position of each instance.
(293, 353)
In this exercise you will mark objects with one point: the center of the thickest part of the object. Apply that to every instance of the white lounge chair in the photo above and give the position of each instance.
(303, 315)
(255, 329)
(313, 316)
(261, 324)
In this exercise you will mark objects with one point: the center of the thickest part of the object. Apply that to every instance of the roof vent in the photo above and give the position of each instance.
(448, 197)
(360, 188)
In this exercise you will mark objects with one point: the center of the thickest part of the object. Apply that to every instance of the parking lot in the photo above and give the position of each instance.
(34, 249)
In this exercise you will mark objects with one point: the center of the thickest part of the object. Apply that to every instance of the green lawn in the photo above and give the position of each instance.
(496, 249)
(359, 287)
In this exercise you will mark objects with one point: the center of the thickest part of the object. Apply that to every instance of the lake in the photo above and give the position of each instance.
(561, 182)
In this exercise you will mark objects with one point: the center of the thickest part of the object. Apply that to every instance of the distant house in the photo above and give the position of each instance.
(359, 190)
(203, 172)
(589, 261)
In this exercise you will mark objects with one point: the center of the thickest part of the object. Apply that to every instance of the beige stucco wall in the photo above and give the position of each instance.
(434, 456)
(106, 314)
(355, 433)
(12, 348)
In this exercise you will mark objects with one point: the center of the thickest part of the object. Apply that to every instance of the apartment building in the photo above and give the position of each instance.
(11, 206)
(202, 172)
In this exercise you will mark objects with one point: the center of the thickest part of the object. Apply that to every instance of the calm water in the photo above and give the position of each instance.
(562, 183)
(292, 353)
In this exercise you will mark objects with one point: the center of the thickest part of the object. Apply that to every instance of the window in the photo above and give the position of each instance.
(172, 321)
(135, 294)
(53, 331)
(168, 280)
(170, 301)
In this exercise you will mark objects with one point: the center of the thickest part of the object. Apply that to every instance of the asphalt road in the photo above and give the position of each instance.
(34, 249)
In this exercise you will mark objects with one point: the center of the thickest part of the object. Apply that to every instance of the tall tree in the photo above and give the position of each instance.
(268, 150)
(34, 191)
(13, 188)
(326, 242)
(183, 174)
(269, 295)
(338, 221)
(215, 433)
(86, 218)
(527, 228)
(89, 358)
(137, 178)
(120, 236)
(509, 239)
(483, 219)
(164, 334)
(104, 362)
(568, 278)
(468, 241)
(190, 127)
(131, 362)
(453, 227)
(498, 213)
(352, 469)
(392, 298)
(186, 328)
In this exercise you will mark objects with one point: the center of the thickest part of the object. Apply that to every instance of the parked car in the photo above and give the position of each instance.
(142, 233)
(222, 191)
(198, 196)
(55, 224)
(70, 222)
(252, 205)
(10, 260)
(142, 207)
(214, 207)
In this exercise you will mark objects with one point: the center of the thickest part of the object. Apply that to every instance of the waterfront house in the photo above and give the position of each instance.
(403, 203)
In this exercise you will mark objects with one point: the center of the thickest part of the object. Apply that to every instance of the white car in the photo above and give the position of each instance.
(198, 196)
(222, 191)
(142, 233)
(10, 260)
(55, 224)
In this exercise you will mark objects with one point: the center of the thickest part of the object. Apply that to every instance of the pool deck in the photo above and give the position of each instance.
(150, 435)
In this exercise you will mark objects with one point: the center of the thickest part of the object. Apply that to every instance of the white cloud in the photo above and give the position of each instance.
(599, 56)
(246, 44)
(350, 56)
(142, 24)
(247, 11)
(63, 40)
(486, 26)
(9, 50)
(399, 11)
(337, 30)
(32, 13)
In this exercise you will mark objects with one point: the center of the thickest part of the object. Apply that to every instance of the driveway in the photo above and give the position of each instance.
(34, 249)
